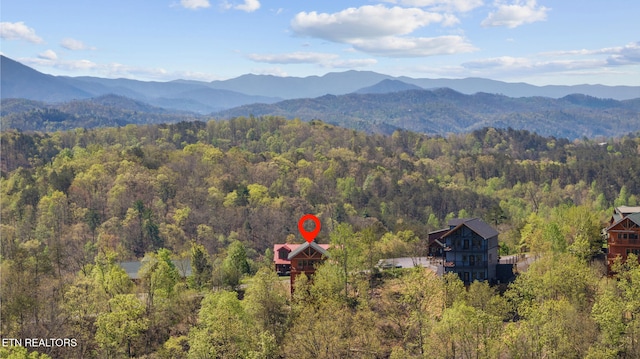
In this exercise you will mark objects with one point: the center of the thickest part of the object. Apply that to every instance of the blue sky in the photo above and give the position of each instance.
(535, 41)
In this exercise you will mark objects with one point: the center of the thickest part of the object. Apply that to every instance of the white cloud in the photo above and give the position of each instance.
(445, 5)
(351, 63)
(274, 71)
(73, 44)
(513, 15)
(627, 55)
(120, 70)
(498, 62)
(293, 58)
(19, 31)
(79, 65)
(519, 66)
(113, 70)
(48, 55)
(248, 6)
(55, 62)
(355, 24)
(322, 59)
(190, 75)
(394, 46)
(378, 30)
(582, 61)
(195, 4)
(618, 55)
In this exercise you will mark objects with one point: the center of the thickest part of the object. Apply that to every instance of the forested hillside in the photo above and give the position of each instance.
(443, 110)
(222, 193)
(103, 111)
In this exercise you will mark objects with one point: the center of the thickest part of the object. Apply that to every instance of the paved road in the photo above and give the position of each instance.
(522, 262)
(410, 262)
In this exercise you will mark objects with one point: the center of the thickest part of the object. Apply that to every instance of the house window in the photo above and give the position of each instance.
(465, 277)
(466, 244)
(306, 264)
(283, 254)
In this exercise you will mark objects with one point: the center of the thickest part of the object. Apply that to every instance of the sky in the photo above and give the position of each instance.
(542, 42)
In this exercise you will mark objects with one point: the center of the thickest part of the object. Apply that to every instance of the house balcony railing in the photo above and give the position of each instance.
(470, 249)
(461, 248)
(305, 268)
(475, 264)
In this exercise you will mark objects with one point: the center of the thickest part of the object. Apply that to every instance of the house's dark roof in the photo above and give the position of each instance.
(457, 221)
(278, 247)
(480, 227)
(435, 236)
(634, 217)
(622, 212)
(322, 248)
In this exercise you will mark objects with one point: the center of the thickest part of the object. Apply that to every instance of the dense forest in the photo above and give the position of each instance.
(221, 193)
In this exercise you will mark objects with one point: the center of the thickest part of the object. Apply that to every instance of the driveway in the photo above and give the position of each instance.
(410, 262)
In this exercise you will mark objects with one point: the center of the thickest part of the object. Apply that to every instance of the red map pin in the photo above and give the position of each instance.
(309, 236)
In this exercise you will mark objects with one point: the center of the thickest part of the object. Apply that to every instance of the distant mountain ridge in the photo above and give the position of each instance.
(355, 99)
(387, 86)
(442, 111)
(352, 81)
(20, 81)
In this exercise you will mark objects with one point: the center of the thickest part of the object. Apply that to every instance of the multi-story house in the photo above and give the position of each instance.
(623, 234)
(295, 259)
(471, 250)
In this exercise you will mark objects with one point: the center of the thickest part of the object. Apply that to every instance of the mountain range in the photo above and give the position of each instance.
(442, 111)
(362, 100)
(20, 81)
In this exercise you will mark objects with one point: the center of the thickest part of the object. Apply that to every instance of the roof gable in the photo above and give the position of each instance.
(437, 234)
(287, 246)
(634, 217)
(478, 226)
(279, 247)
(321, 248)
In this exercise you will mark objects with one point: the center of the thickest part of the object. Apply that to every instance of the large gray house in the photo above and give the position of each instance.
(471, 250)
